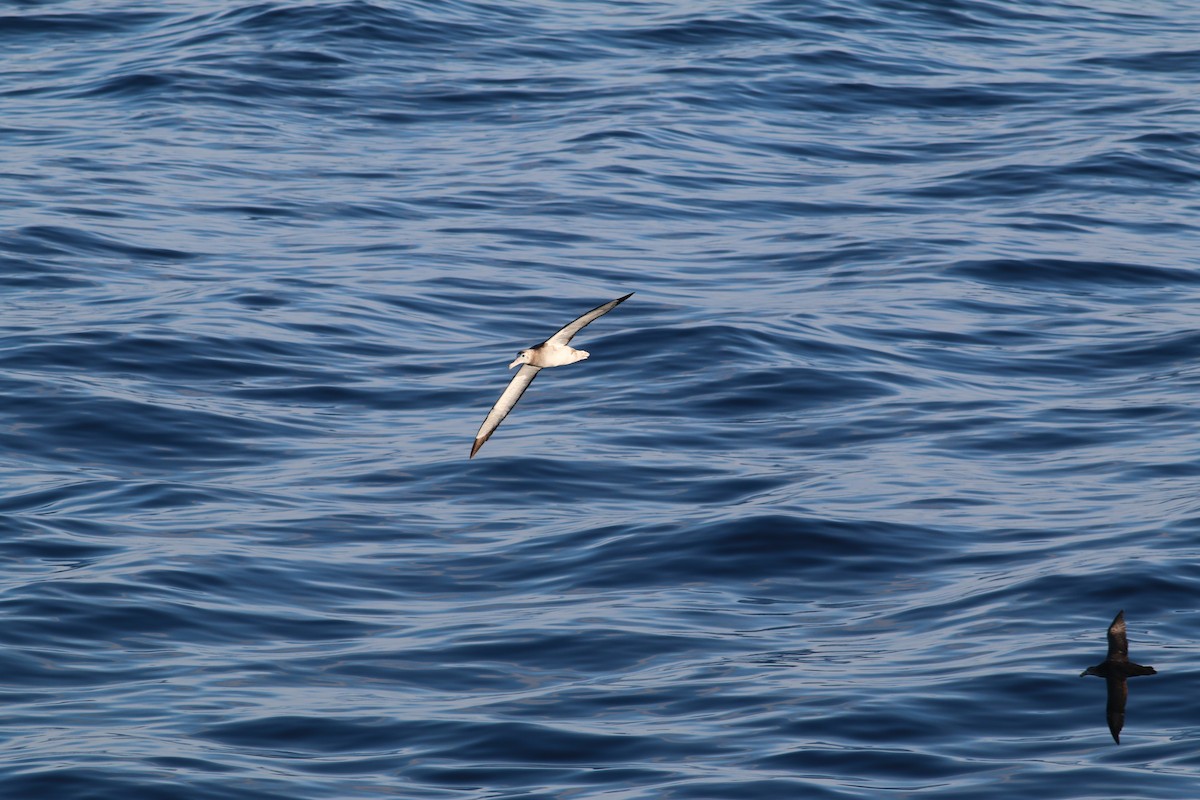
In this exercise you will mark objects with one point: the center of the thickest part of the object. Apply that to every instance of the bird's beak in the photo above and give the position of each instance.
(518, 361)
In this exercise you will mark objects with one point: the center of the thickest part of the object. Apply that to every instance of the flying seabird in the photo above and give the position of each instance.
(1115, 668)
(551, 353)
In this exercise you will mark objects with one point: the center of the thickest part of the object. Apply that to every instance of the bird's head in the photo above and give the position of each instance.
(1090, 671)
(522, 358)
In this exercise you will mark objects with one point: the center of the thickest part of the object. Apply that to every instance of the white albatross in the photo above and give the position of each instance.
(551, 353)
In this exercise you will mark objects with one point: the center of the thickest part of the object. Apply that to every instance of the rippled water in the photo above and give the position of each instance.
(902, 412)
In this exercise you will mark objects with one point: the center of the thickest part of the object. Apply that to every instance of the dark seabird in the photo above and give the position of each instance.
(1115, 668)
(551, 353)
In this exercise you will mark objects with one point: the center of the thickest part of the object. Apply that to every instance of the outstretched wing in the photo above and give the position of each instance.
(1118, 644)
(1118, 693)
(569, 330)
(516, 388)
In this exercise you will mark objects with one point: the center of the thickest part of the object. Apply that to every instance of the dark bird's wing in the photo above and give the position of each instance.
(516, 388)
(1118, 693)
(569, 330)
(1118, 644)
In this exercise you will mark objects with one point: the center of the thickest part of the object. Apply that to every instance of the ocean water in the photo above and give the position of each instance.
(903, 411)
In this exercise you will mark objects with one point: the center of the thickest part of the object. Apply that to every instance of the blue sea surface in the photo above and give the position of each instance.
(903, 411)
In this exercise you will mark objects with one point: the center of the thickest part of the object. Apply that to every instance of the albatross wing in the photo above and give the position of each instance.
(516, 388)
(1114, 710)
(1118, 644)
(568, 331)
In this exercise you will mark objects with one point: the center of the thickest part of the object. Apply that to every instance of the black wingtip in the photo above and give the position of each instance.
(475, 449)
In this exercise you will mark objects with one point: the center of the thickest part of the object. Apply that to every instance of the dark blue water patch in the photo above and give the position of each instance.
(1145, 353)
(56, 240)
(1109, 780)
(98, 213)
(1133, 168)
(787, 208)
(66, 425)
(1140, 415)
(820, 252)
(775, 390)
(1153, 472)
(1050, 273)
(48, 28)
(71, 496)
(1133, 584)
(747, 549)
(616, 136)
(55, 541)
(12, 135)
(1179, 139)
(1050, 439)
(1078, 359)
(361, 23)
(425, 669)
(907, 766)
(258, 300)
(242, 90)
(1102, 584)
(719, 788)
(59, 653)
(484, 662)
(840, 97)
(956, 339)
(862, 97)
(491, 102)
(190, 764)
(316, 395)
(121, 780)
(565, 48)
(140, 617)
(324, 734)
(922, 418)
(1003, 431)
(1184, 62)
(465, 742)
(1055, 221)
(1022, 706)
(695, 352)
(21, 273)
(1107, 109)
(546, 475)
(836, 61)
(732, 374)
(163, 356)
(340, 526)
(292, 66)
(544, 237)
(135, 85)
(1010, 180)
(699, 32)
(508, 93)
(524, 743)
(934, 19)
(839, 154)
(1106, 173)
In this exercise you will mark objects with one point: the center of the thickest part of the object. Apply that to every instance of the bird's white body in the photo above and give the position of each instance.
(549, 354)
